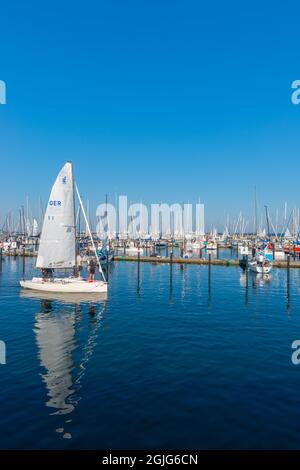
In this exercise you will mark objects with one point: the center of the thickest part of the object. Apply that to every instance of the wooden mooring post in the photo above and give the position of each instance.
(288, 281)
(209, 274)
(23, 267)
(171, 272)
(139, 271)
(247, 280)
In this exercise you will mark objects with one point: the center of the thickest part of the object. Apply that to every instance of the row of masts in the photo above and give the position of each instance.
(24, 223)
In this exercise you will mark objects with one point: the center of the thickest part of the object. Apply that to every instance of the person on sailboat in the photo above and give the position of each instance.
(92, 269)
(47, 274)
(79, 265)
(260, 259)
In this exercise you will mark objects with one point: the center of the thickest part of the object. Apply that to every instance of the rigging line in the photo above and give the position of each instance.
(90, 233)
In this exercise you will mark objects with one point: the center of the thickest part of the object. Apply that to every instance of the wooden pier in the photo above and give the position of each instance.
(199, 261)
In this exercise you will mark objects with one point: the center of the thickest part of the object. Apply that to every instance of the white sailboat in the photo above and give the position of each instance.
(259, 269)
(261, 264)
(134, 250)
(57, 248)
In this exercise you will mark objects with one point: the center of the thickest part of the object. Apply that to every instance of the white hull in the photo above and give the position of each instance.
(255, 268)
(67, 285)
(210, 247)
(194, 247)
(64, 296)
(134, 251)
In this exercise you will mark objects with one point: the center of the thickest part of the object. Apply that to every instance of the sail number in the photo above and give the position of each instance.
(54, 203)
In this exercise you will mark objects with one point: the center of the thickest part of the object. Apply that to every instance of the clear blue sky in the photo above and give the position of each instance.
(160, 100)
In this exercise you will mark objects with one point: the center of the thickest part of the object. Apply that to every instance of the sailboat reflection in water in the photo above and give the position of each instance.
(60, 329)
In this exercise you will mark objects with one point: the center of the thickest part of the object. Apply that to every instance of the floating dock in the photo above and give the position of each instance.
(200, 261)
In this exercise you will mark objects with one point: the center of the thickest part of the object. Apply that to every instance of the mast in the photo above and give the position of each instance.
(87, 222)
(79, 222)
(27, 216)
(117, 221)
(106, 215)
(41, 212)
(23, 220)
(74, 212)
(268, 223)
(255, 209)
(276, 222)
(20, 221)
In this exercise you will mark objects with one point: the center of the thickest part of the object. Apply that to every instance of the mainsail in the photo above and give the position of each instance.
(57, 244)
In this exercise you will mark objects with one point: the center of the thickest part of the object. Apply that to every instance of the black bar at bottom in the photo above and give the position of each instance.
(156, 458)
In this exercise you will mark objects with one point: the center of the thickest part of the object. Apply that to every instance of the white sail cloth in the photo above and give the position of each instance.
(57, 244)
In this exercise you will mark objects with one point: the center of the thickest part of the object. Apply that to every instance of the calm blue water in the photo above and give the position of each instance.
(151, 367)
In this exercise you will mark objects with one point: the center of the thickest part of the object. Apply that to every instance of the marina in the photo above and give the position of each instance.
(81, 372)
(224, 254)
(192, 322)
(149, 233)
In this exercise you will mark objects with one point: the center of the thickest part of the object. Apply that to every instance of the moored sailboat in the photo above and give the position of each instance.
(260, 264)
(57, 248)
